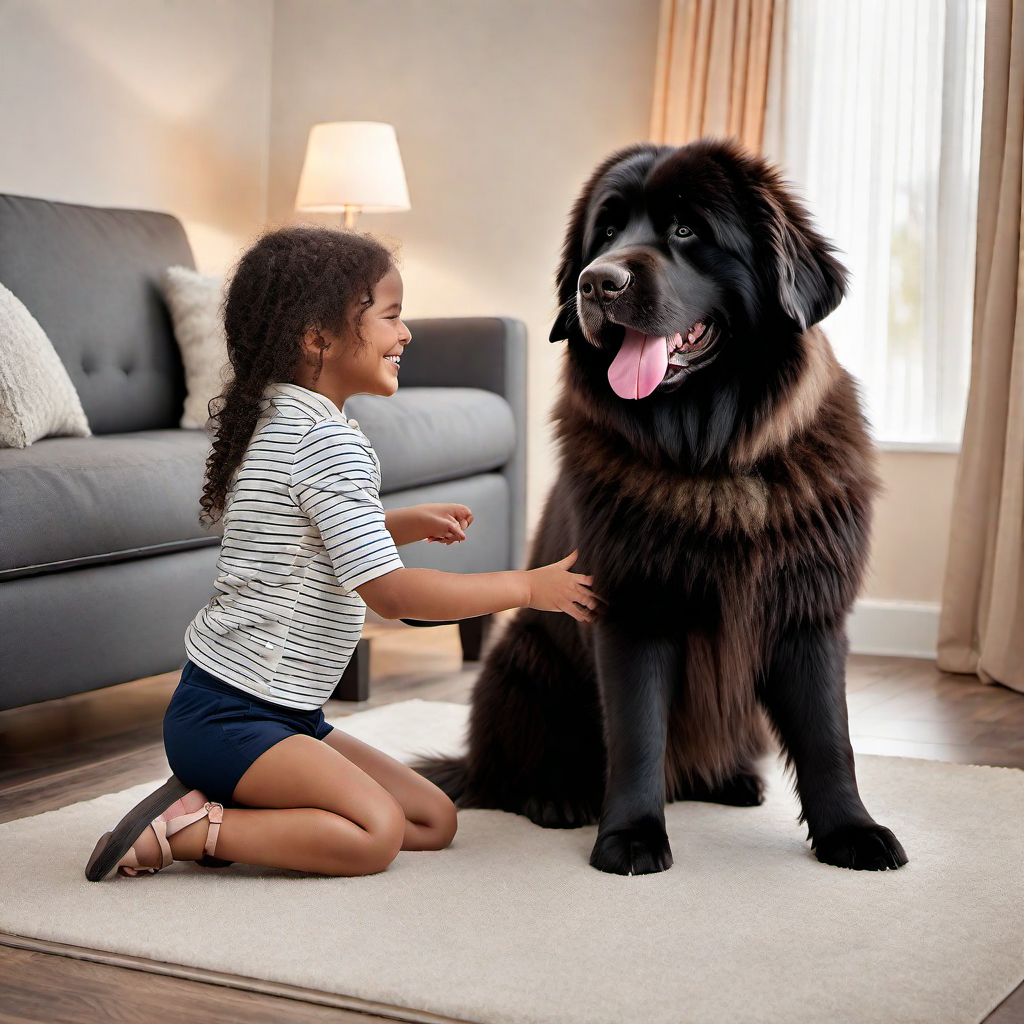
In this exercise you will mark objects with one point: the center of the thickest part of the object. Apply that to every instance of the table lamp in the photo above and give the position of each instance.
(352, 166)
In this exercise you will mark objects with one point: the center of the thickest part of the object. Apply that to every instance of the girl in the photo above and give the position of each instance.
(312, 317)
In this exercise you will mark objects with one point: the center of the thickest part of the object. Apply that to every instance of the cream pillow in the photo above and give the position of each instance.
(194, 300)
(37, 398)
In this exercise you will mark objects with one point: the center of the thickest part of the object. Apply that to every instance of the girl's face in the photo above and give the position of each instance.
(366, 367)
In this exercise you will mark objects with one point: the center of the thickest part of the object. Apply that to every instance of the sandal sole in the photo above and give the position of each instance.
(116, 843)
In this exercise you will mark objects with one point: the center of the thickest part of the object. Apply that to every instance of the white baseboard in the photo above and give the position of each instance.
(907, 629)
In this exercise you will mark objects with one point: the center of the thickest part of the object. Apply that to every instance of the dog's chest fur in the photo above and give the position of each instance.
(748, 524)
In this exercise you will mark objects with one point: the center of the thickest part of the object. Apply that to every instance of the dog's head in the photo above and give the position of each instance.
(679, 260)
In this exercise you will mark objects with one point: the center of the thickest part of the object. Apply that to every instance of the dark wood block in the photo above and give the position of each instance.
(473, 634)
(355, 683)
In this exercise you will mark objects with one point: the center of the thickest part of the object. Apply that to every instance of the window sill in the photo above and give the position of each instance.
(934, 447)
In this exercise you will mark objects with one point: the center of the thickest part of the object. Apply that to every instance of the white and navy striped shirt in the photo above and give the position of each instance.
(303, 527)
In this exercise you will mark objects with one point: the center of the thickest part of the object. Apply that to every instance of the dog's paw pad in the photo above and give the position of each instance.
(637, 850)
(861, 847)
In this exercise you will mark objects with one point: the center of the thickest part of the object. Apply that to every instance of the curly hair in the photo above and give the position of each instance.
(291, 281)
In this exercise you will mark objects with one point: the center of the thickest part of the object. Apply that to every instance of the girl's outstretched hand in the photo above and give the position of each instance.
(554, 589)
(445, 523)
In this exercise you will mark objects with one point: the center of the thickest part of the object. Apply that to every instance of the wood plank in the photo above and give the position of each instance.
(146, 985)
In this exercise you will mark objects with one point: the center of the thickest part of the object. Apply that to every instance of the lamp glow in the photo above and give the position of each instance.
(350, 167)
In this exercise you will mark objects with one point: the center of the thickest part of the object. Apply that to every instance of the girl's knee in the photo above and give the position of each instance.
(371, 852)
(442, 824)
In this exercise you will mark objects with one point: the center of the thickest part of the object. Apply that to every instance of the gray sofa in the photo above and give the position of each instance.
(102, 559)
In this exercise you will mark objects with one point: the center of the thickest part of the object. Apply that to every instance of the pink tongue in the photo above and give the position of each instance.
(640, 366)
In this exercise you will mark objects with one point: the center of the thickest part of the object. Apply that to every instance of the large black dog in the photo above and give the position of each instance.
(717, 479)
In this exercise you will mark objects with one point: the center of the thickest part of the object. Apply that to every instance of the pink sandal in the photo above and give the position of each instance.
(176, 808)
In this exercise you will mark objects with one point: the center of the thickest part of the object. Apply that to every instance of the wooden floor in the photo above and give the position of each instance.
(80, 747)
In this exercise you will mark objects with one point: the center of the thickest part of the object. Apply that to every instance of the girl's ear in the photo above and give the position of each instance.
(313, 343)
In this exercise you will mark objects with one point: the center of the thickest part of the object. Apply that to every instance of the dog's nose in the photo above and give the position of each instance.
(603, 281)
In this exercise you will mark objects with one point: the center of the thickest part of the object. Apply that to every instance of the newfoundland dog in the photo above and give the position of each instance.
(717, 478)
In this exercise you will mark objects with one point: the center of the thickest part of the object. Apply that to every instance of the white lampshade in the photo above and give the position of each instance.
(353, 164)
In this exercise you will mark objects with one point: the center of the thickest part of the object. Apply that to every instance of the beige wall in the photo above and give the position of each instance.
(502, 109)
(161, 105)
(911, 535)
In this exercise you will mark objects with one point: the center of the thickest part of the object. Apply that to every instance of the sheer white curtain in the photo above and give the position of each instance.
(877, 121)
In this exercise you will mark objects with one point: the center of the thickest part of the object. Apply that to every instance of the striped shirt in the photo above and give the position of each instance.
(303, 527)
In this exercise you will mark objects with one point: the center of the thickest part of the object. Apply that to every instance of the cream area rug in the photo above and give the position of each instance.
(511, 925)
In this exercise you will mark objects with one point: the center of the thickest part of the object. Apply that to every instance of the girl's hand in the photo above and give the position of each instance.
(554, 589)
(443, 523)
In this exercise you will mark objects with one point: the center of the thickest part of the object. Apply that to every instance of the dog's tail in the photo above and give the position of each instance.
(447, 773)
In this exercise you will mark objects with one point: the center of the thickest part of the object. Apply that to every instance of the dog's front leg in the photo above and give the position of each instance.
(636, 674)
(804, 692)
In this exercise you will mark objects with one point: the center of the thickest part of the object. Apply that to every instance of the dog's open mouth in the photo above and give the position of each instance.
(644, 360)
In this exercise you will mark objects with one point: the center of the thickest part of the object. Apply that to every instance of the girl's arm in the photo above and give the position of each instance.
(428, 594)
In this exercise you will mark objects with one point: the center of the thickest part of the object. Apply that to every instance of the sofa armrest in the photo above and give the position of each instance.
(478, 352)
(467, 352)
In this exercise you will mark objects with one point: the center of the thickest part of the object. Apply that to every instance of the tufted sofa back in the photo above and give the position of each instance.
(90, 277)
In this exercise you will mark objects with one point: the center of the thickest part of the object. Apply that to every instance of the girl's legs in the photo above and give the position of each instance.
(324, 812)
(430, 820)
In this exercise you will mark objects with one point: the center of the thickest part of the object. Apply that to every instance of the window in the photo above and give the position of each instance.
(878, 123)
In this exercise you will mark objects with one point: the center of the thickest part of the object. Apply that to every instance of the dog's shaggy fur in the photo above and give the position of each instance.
(724, 518)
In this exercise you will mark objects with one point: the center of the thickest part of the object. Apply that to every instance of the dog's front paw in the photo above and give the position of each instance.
(553, 812)
(636, 850)
(861, 847)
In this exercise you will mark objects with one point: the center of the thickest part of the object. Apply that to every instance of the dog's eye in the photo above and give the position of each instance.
(610, 231)
(683, 231)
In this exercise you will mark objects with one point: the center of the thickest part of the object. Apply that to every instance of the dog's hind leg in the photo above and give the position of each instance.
(745, 788)
(535, 745)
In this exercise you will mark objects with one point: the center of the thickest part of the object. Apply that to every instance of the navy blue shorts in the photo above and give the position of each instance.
(213, 731)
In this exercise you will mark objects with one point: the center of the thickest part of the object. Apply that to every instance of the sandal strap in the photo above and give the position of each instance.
(163, 830)
(129, 863)
(180, 821)
(215, 812)
(160, 831)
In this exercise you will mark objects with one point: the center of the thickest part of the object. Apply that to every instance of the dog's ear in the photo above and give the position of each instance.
(571, 266)
(810, 281)
(560, 328)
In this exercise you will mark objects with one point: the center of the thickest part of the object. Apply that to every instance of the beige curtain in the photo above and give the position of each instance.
(982, 625)
(712, 72)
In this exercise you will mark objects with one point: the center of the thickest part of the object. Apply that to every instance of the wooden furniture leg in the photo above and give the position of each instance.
(355, 683)
(473, 634)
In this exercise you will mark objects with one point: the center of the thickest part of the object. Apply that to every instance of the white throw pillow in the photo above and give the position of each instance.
(194, 300)
(37, 398)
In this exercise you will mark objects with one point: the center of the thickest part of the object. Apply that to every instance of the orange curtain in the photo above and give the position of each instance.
(981, 630)
(712, 73)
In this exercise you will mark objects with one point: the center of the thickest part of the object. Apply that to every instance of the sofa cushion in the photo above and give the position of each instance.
(426, 435)
(66, 503)
(90, 277)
